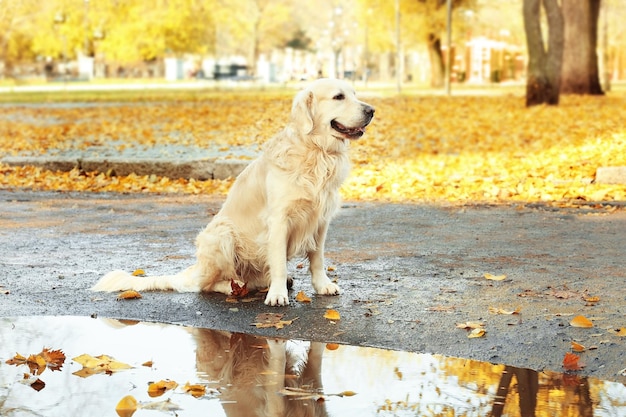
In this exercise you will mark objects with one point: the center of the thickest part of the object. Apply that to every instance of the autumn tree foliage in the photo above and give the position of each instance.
(545, 60)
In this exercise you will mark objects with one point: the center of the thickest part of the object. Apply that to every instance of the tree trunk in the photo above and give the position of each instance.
(437, 70)
(544, 65)
(580, 59)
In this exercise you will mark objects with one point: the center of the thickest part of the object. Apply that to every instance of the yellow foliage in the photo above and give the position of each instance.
(418, 149)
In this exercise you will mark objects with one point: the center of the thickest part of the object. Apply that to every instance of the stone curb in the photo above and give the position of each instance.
(219, 169)
(611, 175)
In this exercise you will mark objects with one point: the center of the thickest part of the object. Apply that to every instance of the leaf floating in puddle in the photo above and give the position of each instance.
(101, 364)
(128, 295)
(126, 407)
(581, 321)
(332, 315)
(196, 390)
(47, 358)
(166, 405)
(156, 389)
(494, 277)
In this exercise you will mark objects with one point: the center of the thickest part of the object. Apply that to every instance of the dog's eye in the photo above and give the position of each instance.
(339, 96)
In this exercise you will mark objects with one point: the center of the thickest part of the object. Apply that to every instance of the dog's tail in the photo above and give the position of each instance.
(118, 280)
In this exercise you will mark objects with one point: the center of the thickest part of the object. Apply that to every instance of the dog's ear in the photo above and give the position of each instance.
(303, 111)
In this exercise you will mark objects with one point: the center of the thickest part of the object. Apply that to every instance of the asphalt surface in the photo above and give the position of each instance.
(409, 274)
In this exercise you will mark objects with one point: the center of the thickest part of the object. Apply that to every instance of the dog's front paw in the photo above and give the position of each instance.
(328, 289)
(277, 298)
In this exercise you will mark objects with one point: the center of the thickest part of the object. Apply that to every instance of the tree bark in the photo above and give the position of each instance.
(580, 58)
(436, 61)
(544, 65)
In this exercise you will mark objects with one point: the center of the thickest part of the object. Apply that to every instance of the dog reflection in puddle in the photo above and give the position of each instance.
(255, 372)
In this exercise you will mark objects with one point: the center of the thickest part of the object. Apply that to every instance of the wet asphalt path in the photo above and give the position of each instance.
(409, 274)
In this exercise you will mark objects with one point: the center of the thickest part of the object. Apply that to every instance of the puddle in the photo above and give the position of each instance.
(239, 375)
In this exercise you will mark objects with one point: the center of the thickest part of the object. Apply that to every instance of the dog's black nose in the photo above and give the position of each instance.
(369, 110)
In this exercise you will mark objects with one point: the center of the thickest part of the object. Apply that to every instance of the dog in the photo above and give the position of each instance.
(278, 208)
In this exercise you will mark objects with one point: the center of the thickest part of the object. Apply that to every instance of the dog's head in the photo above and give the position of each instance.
(329, 107)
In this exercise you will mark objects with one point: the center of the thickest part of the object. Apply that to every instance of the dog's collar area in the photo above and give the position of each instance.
(347, 132)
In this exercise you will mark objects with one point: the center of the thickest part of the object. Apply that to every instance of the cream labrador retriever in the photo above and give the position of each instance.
(279, 207)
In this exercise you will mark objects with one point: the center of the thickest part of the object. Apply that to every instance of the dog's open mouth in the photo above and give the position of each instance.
(349, 132)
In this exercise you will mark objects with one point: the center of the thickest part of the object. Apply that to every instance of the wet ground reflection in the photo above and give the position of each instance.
(244, 376)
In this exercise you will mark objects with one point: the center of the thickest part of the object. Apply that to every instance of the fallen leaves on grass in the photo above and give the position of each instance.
(502, 152)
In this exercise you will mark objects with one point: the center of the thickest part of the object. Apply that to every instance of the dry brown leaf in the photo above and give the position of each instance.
(238, 291)
(581, 321)
(494, 310)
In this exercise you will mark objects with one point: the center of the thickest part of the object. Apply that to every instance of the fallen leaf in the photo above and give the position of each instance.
(166, 405)
(494, 310)
(577, 347)
(196, 390)
(302, 297)
(331, 268)
(156, 389)
(97, 365)
(476, 333)
(444, 309)
(147, 364)
(592, 300)
(470, 325)
(266, 320)
(332, 315)
(128, 295)
(332, 346)
(494, 277)
(238, 291)
(581, 321)
(126, 407)
(138, 272)
(571, 362)
(621, 332)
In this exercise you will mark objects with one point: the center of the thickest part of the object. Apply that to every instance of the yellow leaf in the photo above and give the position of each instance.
(302, 297)
(346, 394)
(128, 295)
(494, 310)
(138, 272)
(494, 277)
(332, 346)
(618, 332)
(470, 325)
(577, 347)
(156, 389)
(126, 407)
(332, 315)
(331, 268)
(581, 321)
(266, 320)
(476, 333)
(196, 390)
